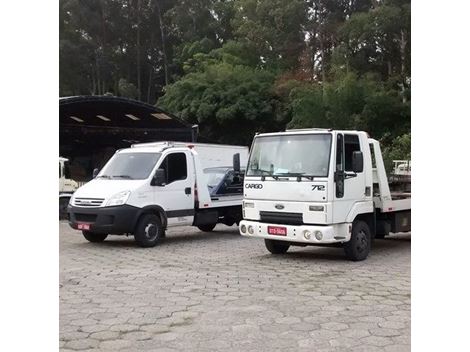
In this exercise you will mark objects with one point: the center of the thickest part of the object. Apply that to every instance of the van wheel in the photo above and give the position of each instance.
(94, 237)
(149, 231)
(206, 227)
(358, 247)
(276, 247)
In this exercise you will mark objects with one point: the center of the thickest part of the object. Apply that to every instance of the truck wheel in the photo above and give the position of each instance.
(149, 231)
(206, 227)
(94, 237)
(276, 247)
(358, 247)
(63, 203)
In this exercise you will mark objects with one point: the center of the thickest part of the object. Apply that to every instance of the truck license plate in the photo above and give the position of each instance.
(83, 226)
(277, 230)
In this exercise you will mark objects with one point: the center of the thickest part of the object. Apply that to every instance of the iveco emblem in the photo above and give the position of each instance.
(254, 185)
(279, 206)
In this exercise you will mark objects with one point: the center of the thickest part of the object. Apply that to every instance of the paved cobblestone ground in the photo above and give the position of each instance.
(221, 291)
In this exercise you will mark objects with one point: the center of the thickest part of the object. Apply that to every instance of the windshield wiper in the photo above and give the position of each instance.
(103, 176)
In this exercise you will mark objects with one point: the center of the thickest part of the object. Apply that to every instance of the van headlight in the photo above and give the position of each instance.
(118, 199)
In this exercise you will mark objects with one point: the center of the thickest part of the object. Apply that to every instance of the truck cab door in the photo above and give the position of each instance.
(176, 196)
(349, 185)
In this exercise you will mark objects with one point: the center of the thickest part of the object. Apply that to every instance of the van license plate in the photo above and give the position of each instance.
(83, 226)
(277, 230)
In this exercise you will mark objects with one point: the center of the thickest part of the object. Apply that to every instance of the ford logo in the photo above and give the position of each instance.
(254, 185)
(279, 206)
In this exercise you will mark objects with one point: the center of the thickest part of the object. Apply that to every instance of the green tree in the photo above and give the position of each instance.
(229, 101)
(275, 29)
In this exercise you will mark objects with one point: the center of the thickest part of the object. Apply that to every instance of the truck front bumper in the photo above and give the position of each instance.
(308, 234)
(110, 220)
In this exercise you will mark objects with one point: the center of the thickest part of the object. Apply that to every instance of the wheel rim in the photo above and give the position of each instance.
(361, 241)
(151, 231)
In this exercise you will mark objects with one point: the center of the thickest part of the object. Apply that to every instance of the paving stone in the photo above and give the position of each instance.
(221, 291)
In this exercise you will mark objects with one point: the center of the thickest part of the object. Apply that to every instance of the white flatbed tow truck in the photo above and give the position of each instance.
(320, 187)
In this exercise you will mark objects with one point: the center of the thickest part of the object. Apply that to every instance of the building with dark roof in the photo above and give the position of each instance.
(92, 128)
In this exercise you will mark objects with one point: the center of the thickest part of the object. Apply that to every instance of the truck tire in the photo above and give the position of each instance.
(149, 231)
(63, 203)
(94, 237)
(276, 247)
(206, 227)
(358, 247)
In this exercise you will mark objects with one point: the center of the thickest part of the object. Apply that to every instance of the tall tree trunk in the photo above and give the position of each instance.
(149, 87)
(93, 81)
(139, 86)
(323, 64)
(162, 33)
(403, 43)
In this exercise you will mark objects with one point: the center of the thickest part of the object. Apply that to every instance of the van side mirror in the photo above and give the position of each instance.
(357, 161)
(236, 162)
(159, 179)
(96, 171)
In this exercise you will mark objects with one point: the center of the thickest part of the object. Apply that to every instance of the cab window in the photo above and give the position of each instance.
(175, 167)
(351, 144)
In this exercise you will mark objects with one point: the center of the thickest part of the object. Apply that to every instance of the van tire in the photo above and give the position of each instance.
(358, 247)
(276, 247)
(149, 231)
(206, 227)
(94, 237)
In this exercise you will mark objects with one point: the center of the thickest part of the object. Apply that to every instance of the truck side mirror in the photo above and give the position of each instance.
(357, 161)
(96, 171)
(159, 179)
(236, 162)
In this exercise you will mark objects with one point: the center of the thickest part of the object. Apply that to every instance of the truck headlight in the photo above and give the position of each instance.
(248, 204)
(118, 199)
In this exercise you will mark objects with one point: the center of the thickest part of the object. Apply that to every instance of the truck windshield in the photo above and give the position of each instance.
(132, 166)
(290, 155)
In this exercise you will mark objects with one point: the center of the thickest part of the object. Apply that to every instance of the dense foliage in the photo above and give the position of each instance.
(240, 66)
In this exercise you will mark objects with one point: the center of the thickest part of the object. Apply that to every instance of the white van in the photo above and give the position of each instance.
(146, 188)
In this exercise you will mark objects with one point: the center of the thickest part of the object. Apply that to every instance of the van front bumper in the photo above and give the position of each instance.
(308, 234)
(110, 220)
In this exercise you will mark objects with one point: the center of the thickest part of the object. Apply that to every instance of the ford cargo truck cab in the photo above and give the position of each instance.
(144, 189)
(320, 187)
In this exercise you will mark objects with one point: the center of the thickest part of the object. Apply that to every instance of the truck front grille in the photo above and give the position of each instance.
(277, 217)
(88, 202)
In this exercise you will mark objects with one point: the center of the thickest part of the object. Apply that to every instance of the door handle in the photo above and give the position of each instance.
(187, 190)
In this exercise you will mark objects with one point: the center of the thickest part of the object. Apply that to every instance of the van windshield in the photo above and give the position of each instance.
(132, 166)
(290, 155)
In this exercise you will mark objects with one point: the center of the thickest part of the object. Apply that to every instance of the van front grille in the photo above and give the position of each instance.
(91, 218)
(88, 202)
